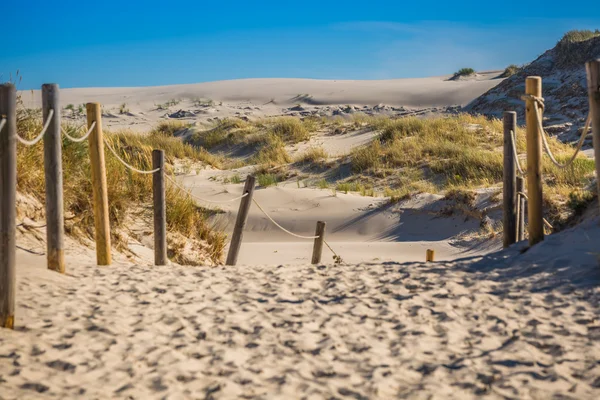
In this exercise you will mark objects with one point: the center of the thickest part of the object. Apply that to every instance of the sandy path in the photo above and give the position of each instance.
(348, 332)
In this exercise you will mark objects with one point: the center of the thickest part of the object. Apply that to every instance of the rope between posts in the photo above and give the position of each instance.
(80, 139)
(281, 227)
(513, 140)
(544, 219)
(139, 171)
(200, 198)
(538, 105)
(41, 135)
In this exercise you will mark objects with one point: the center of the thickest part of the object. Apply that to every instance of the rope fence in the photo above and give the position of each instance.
(79, 139)
(42, 133)
(128, 166)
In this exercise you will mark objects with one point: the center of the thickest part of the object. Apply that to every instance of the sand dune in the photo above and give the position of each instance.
(143, 107)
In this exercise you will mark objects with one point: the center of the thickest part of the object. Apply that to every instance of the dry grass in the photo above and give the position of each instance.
(576, 47)
(313, 154)
(126, 190)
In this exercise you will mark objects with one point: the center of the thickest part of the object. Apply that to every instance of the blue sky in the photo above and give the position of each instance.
(143, 43)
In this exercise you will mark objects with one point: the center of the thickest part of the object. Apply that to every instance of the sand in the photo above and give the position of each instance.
(257, 98)
(505, 326)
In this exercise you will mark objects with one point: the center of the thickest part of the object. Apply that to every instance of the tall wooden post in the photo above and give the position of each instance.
(533, 86)
(160, 210)
(101, 221)
(593, 78)
(8, 208)
(521, 209)
(240, 222)
(53, 172)
(510, 173)
(318, 245)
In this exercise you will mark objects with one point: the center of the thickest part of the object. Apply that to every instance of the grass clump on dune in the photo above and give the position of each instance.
(313, 154)
(127, 191)
(576, 47)
(464, 72)
(510, 71)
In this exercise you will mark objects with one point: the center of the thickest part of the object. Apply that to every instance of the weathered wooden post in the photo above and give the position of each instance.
(318, 246)
(593, 78)
(8, 208)
(510, 173)
(101, 216)
(160, 213)
(53, 172)
(521, 209)
(240, 222)
(533, 87)
(430, 255)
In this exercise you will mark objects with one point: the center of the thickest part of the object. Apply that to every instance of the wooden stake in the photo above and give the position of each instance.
(8, 209)
(160, 213)
(240, 222)
(533, 86)
(510, 173)
(521, 210)
(55, 223)
(318, 246)
(593, 79)
(430, 255)
(101, 216)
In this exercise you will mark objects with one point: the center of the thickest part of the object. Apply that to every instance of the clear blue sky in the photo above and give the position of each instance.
(143, 43)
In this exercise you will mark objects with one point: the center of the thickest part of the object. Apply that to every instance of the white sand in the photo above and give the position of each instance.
(266, 97)
(522, 327)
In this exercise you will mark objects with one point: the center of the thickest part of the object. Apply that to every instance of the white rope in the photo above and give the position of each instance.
(513, 139)
(200, 198)
(80, 139)
(2, 123)
(139, 171)
(281, 227)
(41, 135)
(538, 105)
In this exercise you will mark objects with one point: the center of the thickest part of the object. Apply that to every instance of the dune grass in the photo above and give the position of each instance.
(313, 154)
(464, 72)
(127, 191)
(510, 71)
(576, 47)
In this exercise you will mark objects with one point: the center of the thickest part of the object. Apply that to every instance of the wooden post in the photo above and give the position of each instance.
(240, 222)
(160, 213)
(533, 86)
(521, 210)
(101, 221)
(593, 78)
(430, 255)
(318, 246)
(55, 223)
(8, 208)
(510, 173)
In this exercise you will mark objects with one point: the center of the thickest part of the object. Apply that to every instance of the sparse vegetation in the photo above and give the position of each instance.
(463, 72)
(574, 47)
(510, 71)
(266, 179)
(123, 109)
(313, 154)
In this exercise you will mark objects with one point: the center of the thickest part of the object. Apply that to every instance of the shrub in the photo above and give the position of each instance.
(464, 72)
(510, 71)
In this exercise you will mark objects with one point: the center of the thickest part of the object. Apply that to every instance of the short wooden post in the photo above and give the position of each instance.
(521, 209)
(101, 216)
(430, 255)
(240, 222)
(510, 173)
(318, 246)
(8, 208)
(533, 86)
(160, 210)
(593, 78)
(55, 222)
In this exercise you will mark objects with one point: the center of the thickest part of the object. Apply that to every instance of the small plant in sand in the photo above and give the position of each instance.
(322, 184)
(123, 109)
(464, 72)
(266, 179)
(313, 154)
(200, 102)
(510, 71)
(236, 179)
